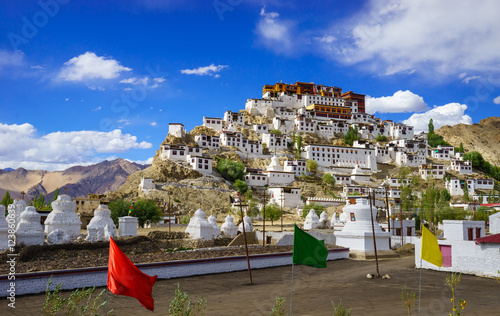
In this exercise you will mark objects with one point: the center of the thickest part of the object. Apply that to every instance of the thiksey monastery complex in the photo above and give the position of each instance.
(298, 131)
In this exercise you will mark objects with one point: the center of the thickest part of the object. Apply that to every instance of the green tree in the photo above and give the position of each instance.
(241, 186)
(476, 158)
(466, 193)
(328, 180)
(273, 212)
(311, 166)
(351, 135)
(275, 131)
(56, 194)
(318, 208)
(7, 200)
(381, 138)
(431, 127)
(231, 170)
(145, 210)
(299, 144)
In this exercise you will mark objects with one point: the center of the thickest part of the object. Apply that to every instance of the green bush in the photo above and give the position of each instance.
(145, 210)
(241, 186)
(273, 212)
(230, 170)
(181, 304)
(328, 180)
(318, 208)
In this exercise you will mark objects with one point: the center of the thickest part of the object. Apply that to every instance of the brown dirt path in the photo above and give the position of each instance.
(230, 294)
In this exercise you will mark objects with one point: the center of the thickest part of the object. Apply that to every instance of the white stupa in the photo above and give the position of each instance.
(357, 232)
(275, 164)
(359, 175)
(4, 230)
(29, 231)
(312, 220)
(16, 208)
(229, 227)
(63, 217)
(323, 220)
(248, 225)
(213, 221)
(199, 227)
(102, 217)
(58, 236)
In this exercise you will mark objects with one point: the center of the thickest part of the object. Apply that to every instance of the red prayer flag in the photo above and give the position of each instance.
(124, 278)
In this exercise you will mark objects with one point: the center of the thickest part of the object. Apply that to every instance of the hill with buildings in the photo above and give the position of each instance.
(279, 136)
(483, 137)
(99, 178)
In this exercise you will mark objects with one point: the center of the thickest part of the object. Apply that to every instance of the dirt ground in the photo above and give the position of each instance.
(314, 289)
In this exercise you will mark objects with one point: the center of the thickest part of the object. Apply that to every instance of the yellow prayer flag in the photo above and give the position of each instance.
(430, 251)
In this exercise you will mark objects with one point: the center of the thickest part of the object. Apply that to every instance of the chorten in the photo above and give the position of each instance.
(63, 217)
(29, 230)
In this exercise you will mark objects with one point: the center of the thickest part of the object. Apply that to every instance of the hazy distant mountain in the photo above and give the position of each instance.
(78, 180)
(8, 169)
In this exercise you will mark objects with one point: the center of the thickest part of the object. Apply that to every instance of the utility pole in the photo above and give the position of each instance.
(474, 210)
(245, 238)
(388, 216)
(373, 232)
(282, 194)
(264, 218)
(169, 213)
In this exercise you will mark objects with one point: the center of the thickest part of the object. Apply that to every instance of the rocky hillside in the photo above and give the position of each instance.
(483, 137)
(100, 178)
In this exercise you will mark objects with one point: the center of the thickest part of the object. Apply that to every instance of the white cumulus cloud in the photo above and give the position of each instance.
(326, 39)
(90, 66)
(210, 70)
(438, 37)
(399, 102)
(153, 124)
(21, 146)
(496, 100)
(11, 58)
(448, 114)
(274, 33)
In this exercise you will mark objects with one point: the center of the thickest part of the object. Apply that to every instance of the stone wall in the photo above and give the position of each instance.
(33, 283)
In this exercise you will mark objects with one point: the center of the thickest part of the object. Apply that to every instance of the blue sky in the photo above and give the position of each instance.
(82, 82)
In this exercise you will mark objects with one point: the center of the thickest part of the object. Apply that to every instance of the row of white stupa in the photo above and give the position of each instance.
(201, 228)
(61, 225)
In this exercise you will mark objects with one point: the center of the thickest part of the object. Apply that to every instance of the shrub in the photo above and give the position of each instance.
(241, 186)
(318, 208)
(181, 304)
(328, 180)
(231, 170)
(273, 212)
(145, 210)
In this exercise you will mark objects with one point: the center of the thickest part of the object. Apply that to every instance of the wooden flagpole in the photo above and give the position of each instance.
(291, 294)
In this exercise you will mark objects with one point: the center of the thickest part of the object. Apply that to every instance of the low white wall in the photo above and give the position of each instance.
(467, 257)
(396, 241)
(33, 283)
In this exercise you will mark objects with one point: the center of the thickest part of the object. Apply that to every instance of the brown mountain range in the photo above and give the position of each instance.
(100, 178)
(483, 137)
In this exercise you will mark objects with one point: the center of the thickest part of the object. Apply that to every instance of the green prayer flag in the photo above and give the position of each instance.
(308, 250)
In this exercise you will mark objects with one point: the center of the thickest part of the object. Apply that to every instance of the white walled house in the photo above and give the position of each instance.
(256, 179)
(327, 156)
(343, 179)
(176, 129)
(431, 171)
(462, 167)
(443, 152)
(286, 196)
(383, 154)
(283, 125)
(205, 141)
(146, 185)
(463, 230)
(397, 130)
(363, 118)
(214, 123)
(200, 163)
(276, 175)
(410, 160)
(296, 166)
(234, 118)
(275, 142)
(305, 125)
(285, 113)
(260, 128)
(456, 186)
(395, 182)
(237, 140)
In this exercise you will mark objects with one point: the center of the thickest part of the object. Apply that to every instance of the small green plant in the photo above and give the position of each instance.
(80, 301)
(452, 282)
(279, 307)
(339, 310)
(184, 219)
(181, 304)
(408, 298)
